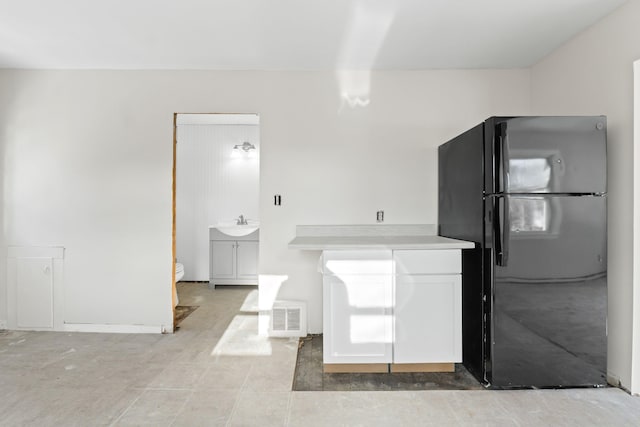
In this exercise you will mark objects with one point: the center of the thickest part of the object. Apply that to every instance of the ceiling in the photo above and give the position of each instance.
(289, 34)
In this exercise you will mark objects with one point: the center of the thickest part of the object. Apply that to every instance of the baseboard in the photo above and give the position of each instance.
(422, 367)
(115, 329)
(344, 368)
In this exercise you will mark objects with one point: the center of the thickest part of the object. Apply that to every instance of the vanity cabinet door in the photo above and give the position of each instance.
(357, 318)
(223, 259)
(247, 260)
(428, 319)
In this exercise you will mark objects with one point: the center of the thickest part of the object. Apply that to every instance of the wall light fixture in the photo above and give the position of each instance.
(245, 146)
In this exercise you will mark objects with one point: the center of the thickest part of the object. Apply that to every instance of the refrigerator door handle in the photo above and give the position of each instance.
(497, 235)
(499, 159)
(501, 226)
(506, 230)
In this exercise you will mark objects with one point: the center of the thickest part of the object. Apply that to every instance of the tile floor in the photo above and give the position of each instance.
(216, 370)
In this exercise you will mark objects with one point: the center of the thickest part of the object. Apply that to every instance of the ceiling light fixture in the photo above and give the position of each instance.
(246, 146)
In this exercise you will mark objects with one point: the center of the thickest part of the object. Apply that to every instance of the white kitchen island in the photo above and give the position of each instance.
(392, 297)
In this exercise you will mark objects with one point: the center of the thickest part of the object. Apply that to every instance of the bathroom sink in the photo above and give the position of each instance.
(234, 230)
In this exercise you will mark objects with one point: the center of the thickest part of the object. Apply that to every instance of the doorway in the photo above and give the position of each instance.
(215, 182)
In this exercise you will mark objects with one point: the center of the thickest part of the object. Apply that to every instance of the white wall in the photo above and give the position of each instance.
(593, 74)
(87, 158)
(340, 165)
(214, 183)
(85, 166)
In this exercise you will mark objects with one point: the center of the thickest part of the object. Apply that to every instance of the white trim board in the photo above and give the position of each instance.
(635, 329)
(115, 329)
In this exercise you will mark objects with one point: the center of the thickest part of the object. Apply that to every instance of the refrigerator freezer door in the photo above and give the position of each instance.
(546, 155)
(547, 324)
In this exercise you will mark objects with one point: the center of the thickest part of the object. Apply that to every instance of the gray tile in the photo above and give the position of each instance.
(270, 375)
(226, 374)
(371, 409)
(607, 406)
(103, 407)
(179, 376)
(261, 409)
(207, 408)
(189, 378)
(155, 407)
(199, 350)
(69, 406)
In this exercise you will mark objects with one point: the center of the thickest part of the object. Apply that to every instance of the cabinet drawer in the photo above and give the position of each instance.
(444, 261)
(361, 262)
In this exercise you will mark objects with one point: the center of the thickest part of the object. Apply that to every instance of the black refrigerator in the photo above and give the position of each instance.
(531, 192)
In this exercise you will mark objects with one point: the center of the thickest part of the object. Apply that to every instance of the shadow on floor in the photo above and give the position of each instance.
(309, 375)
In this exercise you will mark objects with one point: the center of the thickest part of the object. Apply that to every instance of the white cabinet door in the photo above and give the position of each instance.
(223, 259)
(357, 318)
(34, 280)
(428, 319)
(247, 259)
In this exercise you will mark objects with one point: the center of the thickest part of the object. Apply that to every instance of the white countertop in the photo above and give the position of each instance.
(373, 237)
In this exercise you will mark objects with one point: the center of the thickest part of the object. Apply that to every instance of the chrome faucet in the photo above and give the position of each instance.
(241, 220)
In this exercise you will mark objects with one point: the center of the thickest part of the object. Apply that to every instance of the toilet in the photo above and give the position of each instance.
(179, 275)
(179, 271)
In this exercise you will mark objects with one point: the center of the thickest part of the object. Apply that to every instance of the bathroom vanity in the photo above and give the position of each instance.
(233, 256)
(392, 297)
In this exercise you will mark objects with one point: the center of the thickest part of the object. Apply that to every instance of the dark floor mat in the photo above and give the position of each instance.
(182, 312)
(309, 375)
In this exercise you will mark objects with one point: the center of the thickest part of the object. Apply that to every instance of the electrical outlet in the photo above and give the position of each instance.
(380, 216)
